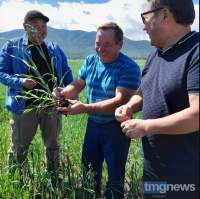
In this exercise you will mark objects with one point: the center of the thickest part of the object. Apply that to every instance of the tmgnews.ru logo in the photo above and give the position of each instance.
(163, 187)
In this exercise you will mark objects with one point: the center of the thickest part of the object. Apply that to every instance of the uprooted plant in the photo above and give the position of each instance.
(43, 96)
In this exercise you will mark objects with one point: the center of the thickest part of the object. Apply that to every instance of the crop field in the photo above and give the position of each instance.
(31, 180)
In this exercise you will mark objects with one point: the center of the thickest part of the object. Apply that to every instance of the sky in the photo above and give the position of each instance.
(84, 15)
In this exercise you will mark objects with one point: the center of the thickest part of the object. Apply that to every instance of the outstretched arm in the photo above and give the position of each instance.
(123, 95)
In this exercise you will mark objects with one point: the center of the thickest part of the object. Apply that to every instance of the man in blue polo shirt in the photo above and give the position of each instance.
(111, 79)
(169, 99)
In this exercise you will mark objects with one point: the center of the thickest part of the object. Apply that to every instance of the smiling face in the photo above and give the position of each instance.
(106, 47)
(41, 27)
(154, 27)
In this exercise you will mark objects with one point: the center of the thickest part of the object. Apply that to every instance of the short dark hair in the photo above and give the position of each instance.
(183, 10)
(119, 35)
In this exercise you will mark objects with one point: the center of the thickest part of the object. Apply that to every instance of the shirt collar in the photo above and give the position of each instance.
(184, 39)
(25, 40)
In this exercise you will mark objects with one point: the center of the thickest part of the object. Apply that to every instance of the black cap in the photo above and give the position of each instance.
(33, 14)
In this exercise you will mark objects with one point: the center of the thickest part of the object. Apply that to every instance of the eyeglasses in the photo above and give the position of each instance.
(145, 13)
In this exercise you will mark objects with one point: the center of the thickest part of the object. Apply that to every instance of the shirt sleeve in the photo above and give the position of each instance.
(6, 68)
(193, 75)
(130, 77)
(82, 74)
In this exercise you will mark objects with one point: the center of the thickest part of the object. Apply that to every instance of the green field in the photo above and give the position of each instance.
(36, 183)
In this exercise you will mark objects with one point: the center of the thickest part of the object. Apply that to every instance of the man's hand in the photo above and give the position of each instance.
(61, 94)
(123, 113)
(28, 83)
(56, 93)
(134, 128)
(76, 108)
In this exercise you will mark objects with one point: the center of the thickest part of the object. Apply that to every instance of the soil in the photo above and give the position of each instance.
(62, 103)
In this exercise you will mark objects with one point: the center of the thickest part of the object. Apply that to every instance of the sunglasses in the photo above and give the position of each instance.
(145, 13)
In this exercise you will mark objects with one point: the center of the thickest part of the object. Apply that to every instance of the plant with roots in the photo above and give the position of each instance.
(44, 97)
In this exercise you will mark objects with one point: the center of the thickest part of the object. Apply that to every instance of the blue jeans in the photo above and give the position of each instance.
(107, 142)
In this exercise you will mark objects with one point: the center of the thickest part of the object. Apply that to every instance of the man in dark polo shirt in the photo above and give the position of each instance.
(169, 99)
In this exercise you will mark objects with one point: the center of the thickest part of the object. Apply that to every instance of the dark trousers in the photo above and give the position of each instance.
(107, 142)
(158, 173)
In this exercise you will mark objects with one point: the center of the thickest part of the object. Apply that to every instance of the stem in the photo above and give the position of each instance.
(35, 33)
(37, 73)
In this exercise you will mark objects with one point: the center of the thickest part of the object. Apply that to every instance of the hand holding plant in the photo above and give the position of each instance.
(60, 93)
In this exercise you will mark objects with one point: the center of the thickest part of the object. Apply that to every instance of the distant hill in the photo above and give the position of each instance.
(79, 44)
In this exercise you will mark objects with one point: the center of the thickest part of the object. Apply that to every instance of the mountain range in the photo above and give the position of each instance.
(79, 44)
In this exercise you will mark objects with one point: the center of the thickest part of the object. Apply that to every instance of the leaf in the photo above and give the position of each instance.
(7, 40)
(19, 96)
(43, 85)
(35, 96)
(27, 111)
(41, 91)
(22, 75)
(64, 77)
(25, 92)
(12, 47)
(16, 99)
(25, 51)
(46, 74)
(24, 59)
(52, 65)
(29, 46)
(19, 59)
(41, 53)
(35, 101)
(89, 190)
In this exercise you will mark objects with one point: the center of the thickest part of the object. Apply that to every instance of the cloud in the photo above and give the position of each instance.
(86, 12)
(195, 26)
(81, 16)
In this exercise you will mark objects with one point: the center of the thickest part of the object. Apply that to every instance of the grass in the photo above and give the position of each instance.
(36, 182)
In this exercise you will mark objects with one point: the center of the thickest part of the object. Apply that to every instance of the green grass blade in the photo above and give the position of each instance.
(27, 111)
(52, 65)
(22, 75)
(41, 53)
(19, 59)
(64, 77)
(29, 46)
(7, 40)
